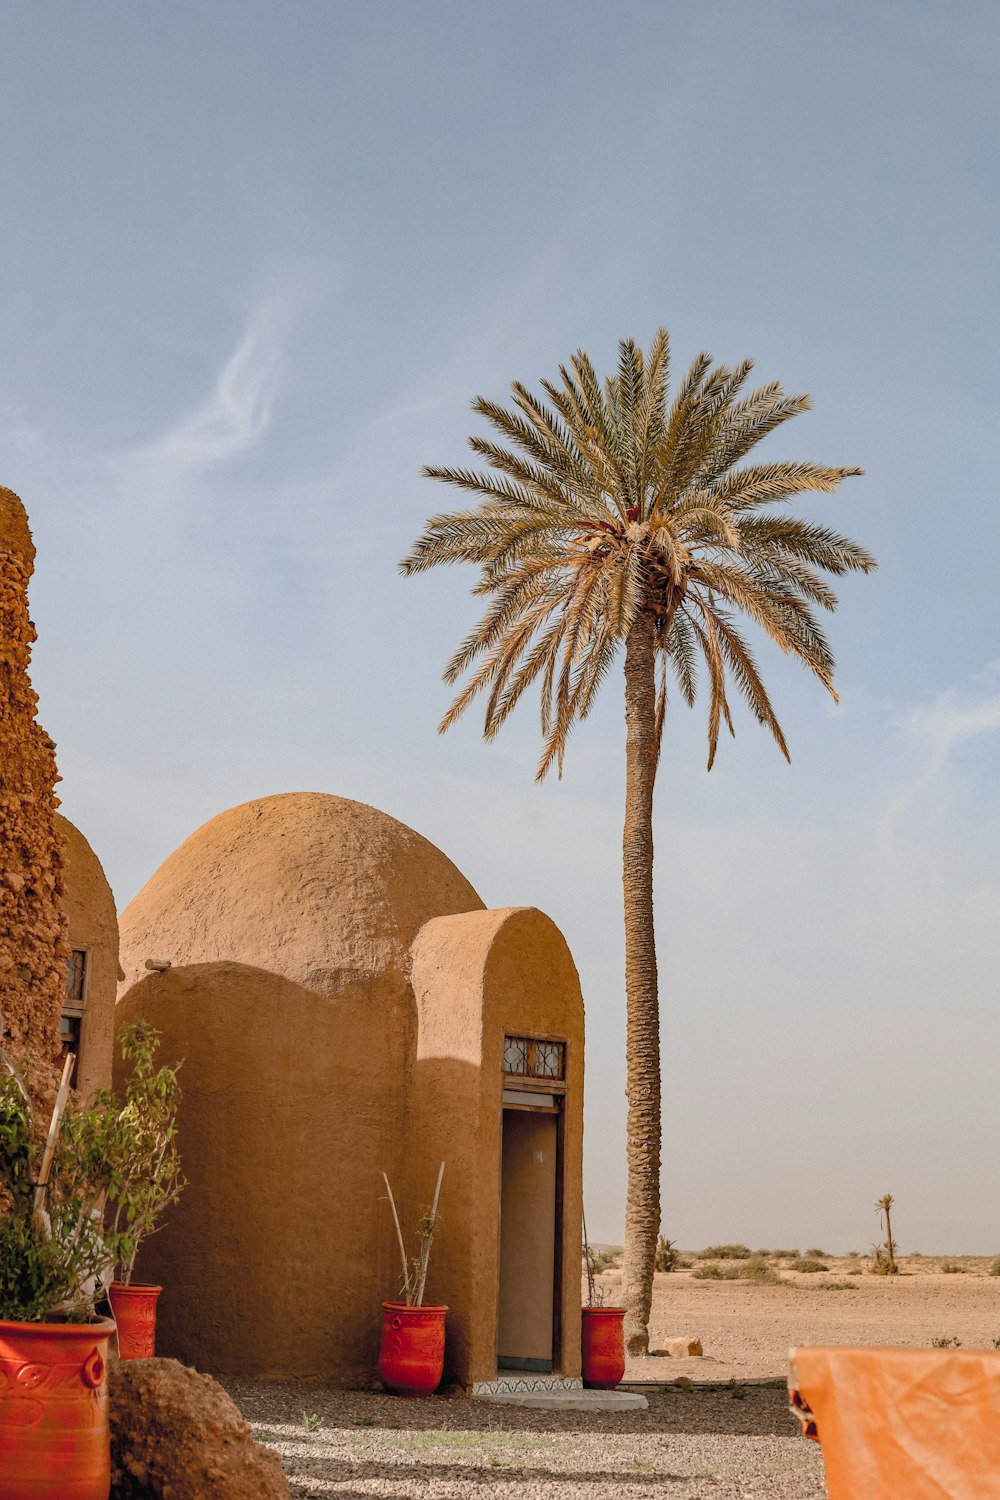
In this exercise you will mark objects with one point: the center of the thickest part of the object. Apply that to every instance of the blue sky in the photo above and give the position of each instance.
(255, 262)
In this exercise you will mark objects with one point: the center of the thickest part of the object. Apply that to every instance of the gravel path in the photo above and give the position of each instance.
(738, 1444)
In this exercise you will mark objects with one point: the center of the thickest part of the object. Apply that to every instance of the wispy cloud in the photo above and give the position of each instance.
(954, 718)
(234, 415)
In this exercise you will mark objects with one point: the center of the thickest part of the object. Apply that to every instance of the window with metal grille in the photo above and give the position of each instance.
(532, 1057)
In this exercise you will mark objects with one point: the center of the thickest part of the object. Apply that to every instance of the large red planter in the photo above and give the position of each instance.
(134, 1308)
(54, 1442)
(603, 1347)
(411, 1354)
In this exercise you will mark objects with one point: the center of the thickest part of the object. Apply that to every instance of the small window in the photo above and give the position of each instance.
(76, 975)
(527, 1057)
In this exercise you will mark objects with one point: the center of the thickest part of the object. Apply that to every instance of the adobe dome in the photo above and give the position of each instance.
(319, 889)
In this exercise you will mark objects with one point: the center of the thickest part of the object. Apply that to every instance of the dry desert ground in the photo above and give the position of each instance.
(747, 1328)
(726, 1435)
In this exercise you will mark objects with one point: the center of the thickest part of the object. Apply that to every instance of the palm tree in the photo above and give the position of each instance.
(615, 518)
(882, 1208)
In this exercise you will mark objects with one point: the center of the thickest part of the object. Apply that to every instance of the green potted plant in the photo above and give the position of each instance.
(54, 1442)
(76, 1199)
(411, 1350)
(145, 1179)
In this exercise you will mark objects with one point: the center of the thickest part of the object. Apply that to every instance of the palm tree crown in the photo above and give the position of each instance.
(611, 500)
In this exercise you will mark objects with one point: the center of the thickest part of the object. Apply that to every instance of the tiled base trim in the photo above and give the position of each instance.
(510, 1384)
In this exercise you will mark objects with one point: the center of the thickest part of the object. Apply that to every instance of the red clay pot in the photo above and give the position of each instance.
(603, 1347)
(54, 1442)
(134, 1308)
(411, 1355)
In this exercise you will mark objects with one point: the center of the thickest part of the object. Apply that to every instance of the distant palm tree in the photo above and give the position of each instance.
(883, 1206)
(618, 518)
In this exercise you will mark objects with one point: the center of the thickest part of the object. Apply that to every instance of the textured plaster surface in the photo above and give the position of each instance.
(93, 925)
(321, 890)
(287, 923)
(33, 946)
(477, 977)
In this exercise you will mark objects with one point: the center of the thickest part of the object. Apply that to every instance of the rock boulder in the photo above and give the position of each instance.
(176, 1435)
(678, 1349)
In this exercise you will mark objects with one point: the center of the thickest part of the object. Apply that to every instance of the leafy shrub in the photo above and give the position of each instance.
(666, 1255)
(726, 1252)
(57, 1243)
(806, 1265)
(756, 1269)
(751, 1269)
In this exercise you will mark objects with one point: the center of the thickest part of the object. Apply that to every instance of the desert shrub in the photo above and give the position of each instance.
(995, 1267)
(602, 1260)
(853, 1255)
(755, 1269)
(666, 1255)
(751, 1269)
(726, 1252)
(784, 1254)
(834, 1286)
(882, 1264)
(817, 1255)
(806, 1265)
(949, 1268)
(951, 1343)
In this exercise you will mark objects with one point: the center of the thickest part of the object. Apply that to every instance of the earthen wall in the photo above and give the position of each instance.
(33, 931)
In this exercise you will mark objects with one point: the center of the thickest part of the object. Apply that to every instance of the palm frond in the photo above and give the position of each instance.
(605, 501)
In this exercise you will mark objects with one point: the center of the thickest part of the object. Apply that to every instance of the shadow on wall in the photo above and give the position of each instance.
(278, 1255)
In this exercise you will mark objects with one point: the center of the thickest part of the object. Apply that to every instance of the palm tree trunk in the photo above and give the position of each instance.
(642, 1212)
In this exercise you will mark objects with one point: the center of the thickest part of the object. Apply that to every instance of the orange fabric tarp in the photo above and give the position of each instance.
(904, 1424)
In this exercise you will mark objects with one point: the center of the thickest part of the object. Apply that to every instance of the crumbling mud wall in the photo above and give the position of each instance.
(33, 934)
